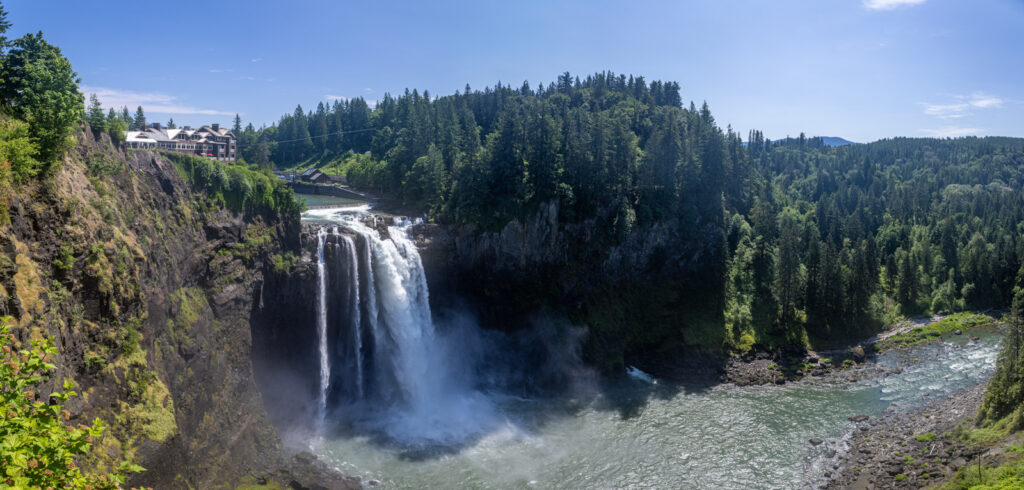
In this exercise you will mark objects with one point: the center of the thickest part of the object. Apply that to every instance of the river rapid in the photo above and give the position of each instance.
(632, 432)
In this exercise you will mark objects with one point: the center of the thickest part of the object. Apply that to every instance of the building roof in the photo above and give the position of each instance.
(154, 135)
(138, 137)
(218, 132)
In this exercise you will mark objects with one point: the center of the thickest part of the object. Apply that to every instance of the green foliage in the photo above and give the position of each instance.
(40, 88)
(139, 121)
(793, 242)
(101, 165)
(94, 115)
(65, 260)
(37, 448)
(959, 321)
(1004, 400)
(926, 437)
(116, 126)
(284, 262)
(18, 153)
(236, 186)
(130, 335)
(1007, 475)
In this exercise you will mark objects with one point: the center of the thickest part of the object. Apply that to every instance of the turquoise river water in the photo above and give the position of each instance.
(638, 434)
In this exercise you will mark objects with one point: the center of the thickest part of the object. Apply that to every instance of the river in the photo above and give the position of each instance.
(636, 432)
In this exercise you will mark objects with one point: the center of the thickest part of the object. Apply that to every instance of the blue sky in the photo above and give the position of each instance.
(860, 69)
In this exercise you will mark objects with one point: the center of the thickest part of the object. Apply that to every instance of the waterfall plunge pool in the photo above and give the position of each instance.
(448, 427)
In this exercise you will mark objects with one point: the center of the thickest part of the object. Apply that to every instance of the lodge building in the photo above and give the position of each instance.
(210, 141)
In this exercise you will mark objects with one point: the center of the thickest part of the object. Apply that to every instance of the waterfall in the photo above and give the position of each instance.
(356, 313)
(383, 365)
(321, 324)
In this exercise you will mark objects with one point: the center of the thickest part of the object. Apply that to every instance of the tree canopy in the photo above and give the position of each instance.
(821, 243)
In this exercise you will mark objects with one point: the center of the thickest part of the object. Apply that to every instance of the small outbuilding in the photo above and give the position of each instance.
(315, 176)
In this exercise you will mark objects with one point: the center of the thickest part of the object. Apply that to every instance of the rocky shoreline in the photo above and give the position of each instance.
(782, 367)
(908, 449)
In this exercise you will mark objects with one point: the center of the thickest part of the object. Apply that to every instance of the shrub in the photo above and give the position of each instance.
(284, 262)
(37, 449)
(237, 187)
(926, 437)
(17, 151)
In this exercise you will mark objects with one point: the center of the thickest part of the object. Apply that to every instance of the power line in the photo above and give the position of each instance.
(329, 134)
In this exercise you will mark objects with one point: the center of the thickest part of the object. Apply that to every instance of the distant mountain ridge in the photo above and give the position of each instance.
(830, 141)
(837, 141)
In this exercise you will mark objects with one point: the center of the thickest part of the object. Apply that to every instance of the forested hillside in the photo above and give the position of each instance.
(823, 243)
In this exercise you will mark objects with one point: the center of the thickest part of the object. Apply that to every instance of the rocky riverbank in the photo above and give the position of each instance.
(780, 367)
(909, 449)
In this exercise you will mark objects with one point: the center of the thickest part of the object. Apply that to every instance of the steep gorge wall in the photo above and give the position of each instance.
(148, 290)
(655, 289)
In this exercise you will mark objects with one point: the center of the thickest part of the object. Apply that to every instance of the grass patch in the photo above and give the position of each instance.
(1009, 475)
(926, 437)
(933, 331)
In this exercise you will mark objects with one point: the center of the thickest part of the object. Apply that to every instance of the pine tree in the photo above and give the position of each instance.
(140, 119)
(94, 115)
(41, 88)
(237, 126)
(788, 280)
(4, 26)
(170, 124)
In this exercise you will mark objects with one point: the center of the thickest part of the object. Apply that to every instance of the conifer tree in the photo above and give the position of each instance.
(140, 119)
(94, 115)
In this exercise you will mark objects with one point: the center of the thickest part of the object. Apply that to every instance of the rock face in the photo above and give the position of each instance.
(148, 290)
(635, 289)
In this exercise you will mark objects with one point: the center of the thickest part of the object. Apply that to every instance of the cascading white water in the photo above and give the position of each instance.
(398, 380)
(357, 324)
(321, 315)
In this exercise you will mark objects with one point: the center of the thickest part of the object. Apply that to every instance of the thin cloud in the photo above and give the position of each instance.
(951, 132)
(962, 108)
(890, 4)
(218, 70)
(256, 60)
(985, 101)
(150, 101)
(946, 111)
(254, 79)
